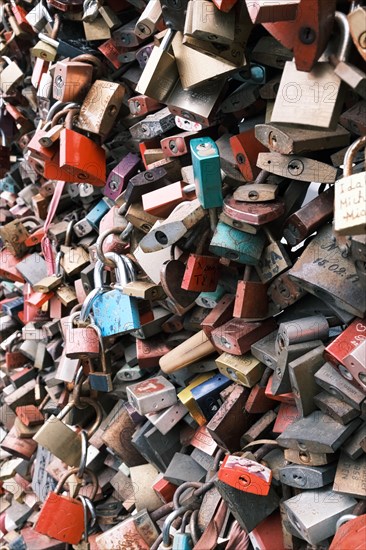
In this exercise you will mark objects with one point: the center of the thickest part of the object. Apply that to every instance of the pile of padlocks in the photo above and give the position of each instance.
(183, 274)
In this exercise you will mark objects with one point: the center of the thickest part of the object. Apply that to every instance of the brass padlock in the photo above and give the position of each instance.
(160, 72)
(100, 107)
(61, 440)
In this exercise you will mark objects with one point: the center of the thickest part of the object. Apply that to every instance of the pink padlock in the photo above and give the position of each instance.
(80, 342)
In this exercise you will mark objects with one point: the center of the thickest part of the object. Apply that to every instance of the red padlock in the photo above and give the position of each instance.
(62, 517)
(202, 271)
(350, 535)
(246, 475)
(79, 159)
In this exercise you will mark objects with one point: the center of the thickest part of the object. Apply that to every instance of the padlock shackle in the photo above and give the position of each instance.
(345, 42)
(85, 400)
(73, 471)
(91, 60)
(168, 522)
(350, 155)
(99, 244)
(88, 303)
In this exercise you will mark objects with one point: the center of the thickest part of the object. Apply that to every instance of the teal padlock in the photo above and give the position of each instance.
(207, 172)
(236, 245)
(182, 541)
(115, 313)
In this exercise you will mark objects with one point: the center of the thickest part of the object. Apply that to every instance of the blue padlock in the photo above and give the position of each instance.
(207, 172)
(207, 394)
(182, 541)
(115, 313)
(236, 245)
(98, 211)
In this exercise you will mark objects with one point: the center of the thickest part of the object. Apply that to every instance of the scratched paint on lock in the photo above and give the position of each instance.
(237, 245)
(115, 313)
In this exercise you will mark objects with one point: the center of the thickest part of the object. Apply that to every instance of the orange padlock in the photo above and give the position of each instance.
(246, 475)
(245, 148)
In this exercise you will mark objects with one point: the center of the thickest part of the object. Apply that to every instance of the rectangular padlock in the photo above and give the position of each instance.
(152, 395)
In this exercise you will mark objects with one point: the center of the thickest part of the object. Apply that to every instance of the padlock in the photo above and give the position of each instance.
(290, 140)
(202, 271)
(11, 76)
(324, 113)
(349, 197)
(120, 175)
(160, 72)
(152, 395)
(206, 169)
(356, 19)
(206, 22)
(332, 381)
(80, 342)
(60, 439)
(236, 245)
(126, 315)
(305, 221)
(79, 158)
(323, 509)
(71, 80)
(101, 381)
(326, 269)
(69, 511)
(246, 475)
(100, 107)
(251, 298)
(73, 259)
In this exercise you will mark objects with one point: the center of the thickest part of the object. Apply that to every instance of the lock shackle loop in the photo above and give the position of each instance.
(88, 523)
(119, 266)
(69, 232)
(168, 523)
(84, 453)
(343, 519)
(91, 60)
(59, 272)
(201, 242)
(3, 137)
(131, 271)
(76, 314)
(73, 471)
(78, 384)
(85, 400)
(99, 244)
(56, 26)
(7, 59)
(68, 114)
(345, 43)
(102, 350)
(167, 39)
(60, 106)
(350, 155)
(87, 305)
(85, 536)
